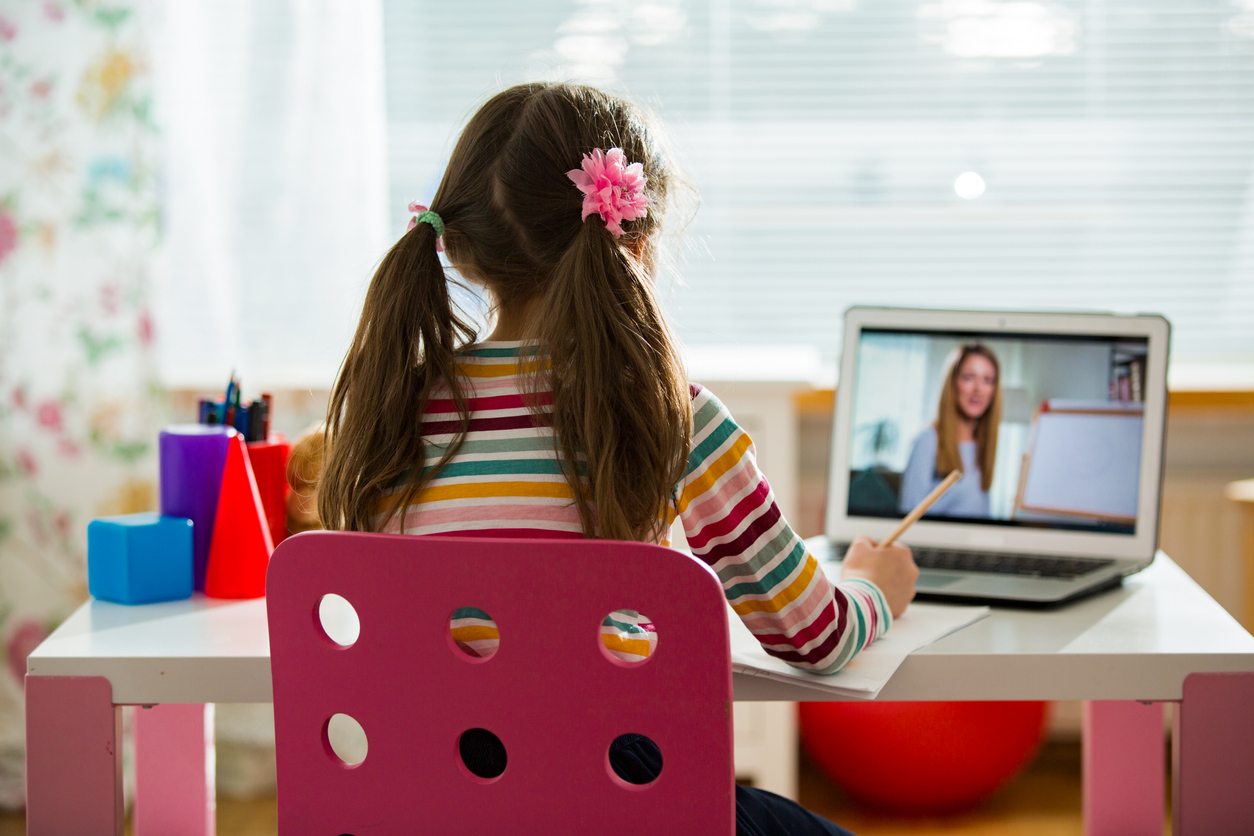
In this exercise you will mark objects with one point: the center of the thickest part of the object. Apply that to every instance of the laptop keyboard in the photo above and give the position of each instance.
(1040, 566)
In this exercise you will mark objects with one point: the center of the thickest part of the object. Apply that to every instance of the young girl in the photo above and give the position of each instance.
(574, 418)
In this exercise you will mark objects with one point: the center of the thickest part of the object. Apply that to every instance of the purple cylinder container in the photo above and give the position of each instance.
(192, 457)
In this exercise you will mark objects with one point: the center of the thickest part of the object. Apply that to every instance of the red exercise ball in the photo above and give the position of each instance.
(921, 757)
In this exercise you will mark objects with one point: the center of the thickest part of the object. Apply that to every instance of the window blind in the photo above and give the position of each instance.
(1090, 154)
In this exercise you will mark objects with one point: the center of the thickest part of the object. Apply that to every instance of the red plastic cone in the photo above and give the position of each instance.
(241, 545)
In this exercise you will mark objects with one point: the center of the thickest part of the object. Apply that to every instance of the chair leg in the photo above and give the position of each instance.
(1124, 767)
(174, 779)
(73, 756)
(1213, 755)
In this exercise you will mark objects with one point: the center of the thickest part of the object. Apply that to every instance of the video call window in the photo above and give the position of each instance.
(1047, 431)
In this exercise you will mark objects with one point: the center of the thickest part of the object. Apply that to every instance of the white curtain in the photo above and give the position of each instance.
(275, 212)
(275, 185)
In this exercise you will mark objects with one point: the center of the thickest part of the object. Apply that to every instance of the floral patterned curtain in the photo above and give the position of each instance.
(80, 407)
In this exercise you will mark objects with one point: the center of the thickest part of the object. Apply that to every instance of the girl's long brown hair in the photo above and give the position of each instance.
(948, 458)
(621, 412)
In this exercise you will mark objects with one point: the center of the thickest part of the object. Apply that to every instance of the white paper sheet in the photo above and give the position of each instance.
(870, 670)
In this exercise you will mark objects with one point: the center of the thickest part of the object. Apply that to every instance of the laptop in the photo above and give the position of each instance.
(1056, 421)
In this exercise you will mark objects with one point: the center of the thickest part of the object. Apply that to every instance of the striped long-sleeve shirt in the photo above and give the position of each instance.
(507, 481)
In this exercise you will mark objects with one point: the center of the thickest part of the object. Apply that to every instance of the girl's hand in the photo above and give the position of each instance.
(891, 569)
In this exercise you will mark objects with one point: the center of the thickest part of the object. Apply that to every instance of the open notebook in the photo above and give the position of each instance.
(867, 674)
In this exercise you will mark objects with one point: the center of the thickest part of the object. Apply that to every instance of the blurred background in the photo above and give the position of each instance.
(194, 187)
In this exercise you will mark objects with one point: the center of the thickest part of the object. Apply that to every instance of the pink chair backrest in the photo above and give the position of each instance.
(550, 693)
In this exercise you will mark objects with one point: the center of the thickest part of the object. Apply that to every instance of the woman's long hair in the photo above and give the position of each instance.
(621, 410)
(948, 458)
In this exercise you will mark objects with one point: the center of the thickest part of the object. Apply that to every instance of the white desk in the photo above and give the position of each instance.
(1159, 639)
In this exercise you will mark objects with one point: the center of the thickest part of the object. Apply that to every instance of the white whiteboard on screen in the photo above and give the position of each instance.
(1085, 464)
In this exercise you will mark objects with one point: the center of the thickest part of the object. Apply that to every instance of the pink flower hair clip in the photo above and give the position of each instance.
(611, 188)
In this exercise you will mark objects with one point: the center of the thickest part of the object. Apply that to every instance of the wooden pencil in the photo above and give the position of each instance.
(921, 509)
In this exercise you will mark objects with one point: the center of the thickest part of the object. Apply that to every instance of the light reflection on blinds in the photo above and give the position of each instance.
(1115, 140)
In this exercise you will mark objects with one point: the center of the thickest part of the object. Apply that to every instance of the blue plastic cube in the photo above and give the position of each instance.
(139, 558)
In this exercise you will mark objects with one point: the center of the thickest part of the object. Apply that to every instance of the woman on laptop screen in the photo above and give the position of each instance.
(963, 437)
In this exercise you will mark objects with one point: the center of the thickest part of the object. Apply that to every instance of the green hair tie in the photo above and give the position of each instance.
(426, 216)
(429, 217)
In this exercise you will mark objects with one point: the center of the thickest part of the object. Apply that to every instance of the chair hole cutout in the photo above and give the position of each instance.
(338, 620)
(346, 739)
(635, 759)
(473, 634)
(482, 753)
(628, 637)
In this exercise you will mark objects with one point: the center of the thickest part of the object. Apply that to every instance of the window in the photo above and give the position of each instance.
(962, 153)
(958, 153)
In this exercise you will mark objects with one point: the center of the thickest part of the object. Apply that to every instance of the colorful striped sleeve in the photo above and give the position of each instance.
(732, 522)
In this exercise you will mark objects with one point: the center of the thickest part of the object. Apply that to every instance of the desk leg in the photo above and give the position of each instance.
(174, 780)
(1124, 767)
(1213, 755)
(73, 756)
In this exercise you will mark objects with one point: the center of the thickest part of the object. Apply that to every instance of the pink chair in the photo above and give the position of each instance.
(551, 694)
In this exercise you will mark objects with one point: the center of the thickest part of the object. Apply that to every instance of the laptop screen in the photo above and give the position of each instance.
(1047, 430)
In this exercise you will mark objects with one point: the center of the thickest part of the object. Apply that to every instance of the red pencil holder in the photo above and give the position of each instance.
(269, 461)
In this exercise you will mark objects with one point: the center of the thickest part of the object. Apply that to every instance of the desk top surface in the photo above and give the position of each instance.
(1136, 642)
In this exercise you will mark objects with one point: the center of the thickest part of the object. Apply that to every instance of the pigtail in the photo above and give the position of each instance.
(405, 343)
(622, 413)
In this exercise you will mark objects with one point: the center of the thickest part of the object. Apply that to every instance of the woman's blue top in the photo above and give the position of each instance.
(965, 499)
